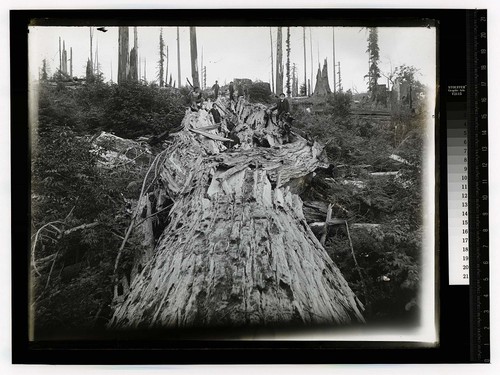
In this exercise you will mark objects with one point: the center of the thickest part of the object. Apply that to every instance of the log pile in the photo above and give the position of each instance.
(236, 248)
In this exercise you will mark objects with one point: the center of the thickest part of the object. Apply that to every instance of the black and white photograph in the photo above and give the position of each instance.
(233, 182)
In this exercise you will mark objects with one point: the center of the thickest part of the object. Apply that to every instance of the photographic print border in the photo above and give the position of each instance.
(451, 342)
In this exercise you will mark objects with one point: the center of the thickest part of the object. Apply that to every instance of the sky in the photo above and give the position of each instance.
(243, 52)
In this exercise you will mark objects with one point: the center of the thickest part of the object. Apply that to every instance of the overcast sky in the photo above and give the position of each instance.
(243, 52)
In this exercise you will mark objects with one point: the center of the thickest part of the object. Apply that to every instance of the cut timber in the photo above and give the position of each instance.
(236, 249)
(365, 226)
(399, 159)
(211, 136)
(384, 174)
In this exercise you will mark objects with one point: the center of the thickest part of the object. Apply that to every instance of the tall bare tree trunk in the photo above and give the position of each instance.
(178, 58)
(123, 55)
(97, 56)
(288, 71)
(194, 57)
(305, 63)
(161, 61)
(91, 31)
(166, 67)
(64, 59)
(272, 60)
(134, 59)
(334, 63)
(201, 71)
(60, 55)
(236, 248)
(311, 88)
(279, 62)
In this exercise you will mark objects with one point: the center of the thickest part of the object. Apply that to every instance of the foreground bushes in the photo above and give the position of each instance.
(73, 278)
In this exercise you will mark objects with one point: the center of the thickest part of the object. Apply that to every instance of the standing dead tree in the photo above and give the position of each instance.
(288, 71)
(272, 60)
(194, 57)
(161, 60)
(235, 248)
(306, 91)
(178, 59)
(166, 71)
(64, 60)
(279, 62)
(322, 87)
(134, 59)
(373, 61)
(123, 55)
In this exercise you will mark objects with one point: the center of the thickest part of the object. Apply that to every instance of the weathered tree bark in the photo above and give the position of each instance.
(179, 82)
(279, 62)
(91, 34)
(236, 248)
(194, 57)
(64, 59)
(134, 60)
(288, 88)
(123, 55)
(305, 61)
(162, 59)
(322, 87)
(272, 60)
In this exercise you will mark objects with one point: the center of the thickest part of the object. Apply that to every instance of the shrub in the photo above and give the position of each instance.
(73, 289)
(340, 103)
(129, 110)
(393, 250)
(259, 92)
(69, 190)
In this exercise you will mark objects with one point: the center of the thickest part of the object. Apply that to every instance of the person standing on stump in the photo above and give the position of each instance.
(231, 91)
(215, 114)
(196, 99)
(283, 107)
(216, 88)
(218, 121)
(283, 116)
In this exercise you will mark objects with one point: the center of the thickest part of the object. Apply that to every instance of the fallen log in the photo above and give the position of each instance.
(384, 174)
(236, 249)
(211, 136)
(365, 226)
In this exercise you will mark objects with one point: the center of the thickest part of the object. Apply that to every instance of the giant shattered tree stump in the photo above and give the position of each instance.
(236, 249)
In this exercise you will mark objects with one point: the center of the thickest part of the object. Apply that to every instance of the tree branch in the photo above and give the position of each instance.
(80, 227)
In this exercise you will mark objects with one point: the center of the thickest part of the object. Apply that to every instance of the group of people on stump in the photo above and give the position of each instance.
(282, 106)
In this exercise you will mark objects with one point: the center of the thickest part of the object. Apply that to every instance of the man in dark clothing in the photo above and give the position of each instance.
(216, 89)
(231, 91)
(196, 99)
(283, 107)
(283, 117)
(215, 114)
